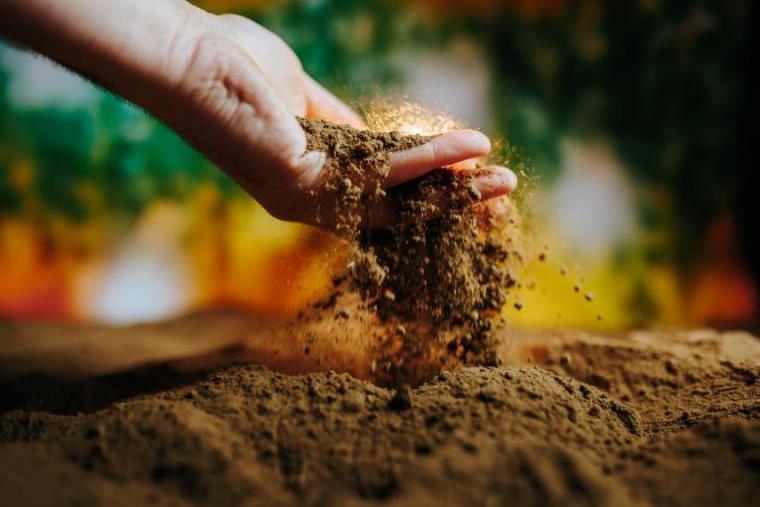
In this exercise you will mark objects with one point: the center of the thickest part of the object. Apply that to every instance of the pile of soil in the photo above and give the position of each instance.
(437, 278)
(644, 419)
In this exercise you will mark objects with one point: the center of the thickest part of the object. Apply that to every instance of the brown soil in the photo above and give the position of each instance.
(356, 167)
(640, 419)
(436, 278)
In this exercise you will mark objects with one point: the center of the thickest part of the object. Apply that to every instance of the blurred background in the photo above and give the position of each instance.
(624, 118)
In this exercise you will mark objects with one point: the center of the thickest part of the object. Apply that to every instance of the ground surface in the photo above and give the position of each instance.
(645, 418)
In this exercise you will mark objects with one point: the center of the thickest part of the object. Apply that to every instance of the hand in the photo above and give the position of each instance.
(241, 90)
(230, 87)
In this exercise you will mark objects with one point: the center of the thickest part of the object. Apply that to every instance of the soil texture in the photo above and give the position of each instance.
(478, 413)
(641, 419)
(436, 277)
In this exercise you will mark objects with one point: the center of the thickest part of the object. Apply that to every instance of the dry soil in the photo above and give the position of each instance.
(646, 418)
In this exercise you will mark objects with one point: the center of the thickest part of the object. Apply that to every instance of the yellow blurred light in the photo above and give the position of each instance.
(21, 175)
(408, 118)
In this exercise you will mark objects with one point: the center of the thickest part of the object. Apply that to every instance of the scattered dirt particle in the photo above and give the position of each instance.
(402, 399)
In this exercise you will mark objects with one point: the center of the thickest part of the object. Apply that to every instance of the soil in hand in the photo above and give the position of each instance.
(437, 278)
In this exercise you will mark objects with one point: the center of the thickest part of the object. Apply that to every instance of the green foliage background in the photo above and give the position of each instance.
(661, 80)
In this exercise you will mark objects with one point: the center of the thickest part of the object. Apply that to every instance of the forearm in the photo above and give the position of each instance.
(131, 47)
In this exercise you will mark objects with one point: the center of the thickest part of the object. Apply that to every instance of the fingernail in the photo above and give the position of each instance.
(483, 141)
(310, 167)
(474, 140)
(499, 181)
(510, 178)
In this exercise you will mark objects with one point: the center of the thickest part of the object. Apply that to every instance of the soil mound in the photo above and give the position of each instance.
(476, 436)
(246, 434)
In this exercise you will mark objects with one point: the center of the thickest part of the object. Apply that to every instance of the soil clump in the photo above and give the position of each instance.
(437, 278)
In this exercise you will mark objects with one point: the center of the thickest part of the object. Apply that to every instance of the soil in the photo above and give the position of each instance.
(357, 165)
(641, 419)
(549, 419)
(437, 278)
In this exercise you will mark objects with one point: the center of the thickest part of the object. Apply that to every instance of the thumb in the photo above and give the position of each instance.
(308, 168)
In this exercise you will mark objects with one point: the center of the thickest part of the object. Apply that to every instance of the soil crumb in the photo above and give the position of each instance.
(437, 278)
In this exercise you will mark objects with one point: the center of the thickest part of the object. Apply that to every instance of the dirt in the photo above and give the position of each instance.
(437, 277)
(357, 165)
(640, 419)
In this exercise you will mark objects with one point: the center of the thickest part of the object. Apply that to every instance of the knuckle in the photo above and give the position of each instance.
(433, 150)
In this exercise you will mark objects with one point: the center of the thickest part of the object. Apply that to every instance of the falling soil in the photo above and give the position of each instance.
(437, 277)
(644, 419)
(666, 419)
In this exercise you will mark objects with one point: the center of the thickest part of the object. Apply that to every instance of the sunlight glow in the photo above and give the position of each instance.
(140, 288)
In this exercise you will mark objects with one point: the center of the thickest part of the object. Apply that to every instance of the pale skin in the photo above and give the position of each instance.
(230, 87)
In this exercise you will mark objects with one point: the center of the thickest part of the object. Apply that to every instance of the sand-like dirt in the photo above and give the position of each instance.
(645, 418)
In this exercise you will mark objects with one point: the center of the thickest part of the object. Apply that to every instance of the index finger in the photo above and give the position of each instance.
(444, 150)
(489, 182)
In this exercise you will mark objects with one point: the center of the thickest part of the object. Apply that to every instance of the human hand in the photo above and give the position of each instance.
(230, 87)
(240, 93)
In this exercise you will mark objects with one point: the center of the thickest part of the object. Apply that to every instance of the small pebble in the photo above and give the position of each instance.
(402, 400)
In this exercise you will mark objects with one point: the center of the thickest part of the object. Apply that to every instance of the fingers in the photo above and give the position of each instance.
(443, 150)
(490, 182)
(496, 181)
(470, 163)
(323, 105)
